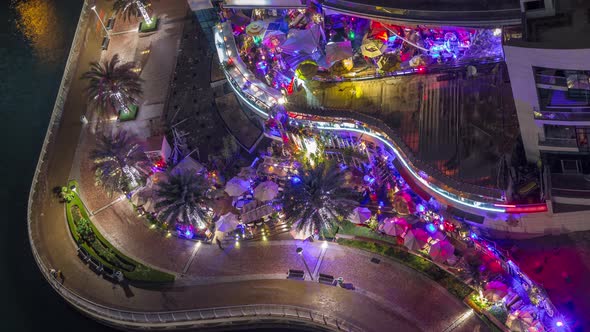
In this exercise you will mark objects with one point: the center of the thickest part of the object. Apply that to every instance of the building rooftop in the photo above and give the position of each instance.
(568, 28)
(439, 12)
(441, 5)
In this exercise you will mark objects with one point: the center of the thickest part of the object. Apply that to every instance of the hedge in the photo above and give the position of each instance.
(453, 285)
(132, 269)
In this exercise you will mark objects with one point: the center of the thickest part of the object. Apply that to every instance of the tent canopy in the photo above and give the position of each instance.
(302, 41)
(236, 186)
(266, 191)
(359, 215)
(338, 51)
(227, 223)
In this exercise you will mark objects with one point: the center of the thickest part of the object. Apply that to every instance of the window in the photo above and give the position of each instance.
(570, 166)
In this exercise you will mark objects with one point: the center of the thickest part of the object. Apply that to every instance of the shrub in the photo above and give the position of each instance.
(499, 312)
(442, 277)
(85, 230)
(108, 255)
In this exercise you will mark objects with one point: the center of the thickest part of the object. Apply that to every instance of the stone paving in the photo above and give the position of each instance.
(125, 230)
(262, 260)
(253, 258)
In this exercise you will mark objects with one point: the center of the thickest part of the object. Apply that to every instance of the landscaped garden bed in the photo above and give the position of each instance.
(130, 115)
(442, 277)
(89, 238)
(143, 27)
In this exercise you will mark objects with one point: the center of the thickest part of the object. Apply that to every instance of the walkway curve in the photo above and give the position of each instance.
(52, 249)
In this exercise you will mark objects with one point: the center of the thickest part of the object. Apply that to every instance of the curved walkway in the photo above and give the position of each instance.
(249, 273)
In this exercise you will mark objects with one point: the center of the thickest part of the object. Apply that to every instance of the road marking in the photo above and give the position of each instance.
(190, 260)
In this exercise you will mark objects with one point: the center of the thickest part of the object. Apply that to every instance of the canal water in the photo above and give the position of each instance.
(33, 51)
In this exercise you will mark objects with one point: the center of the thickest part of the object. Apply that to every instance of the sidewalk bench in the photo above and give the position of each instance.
(109, 274)
(95, 266)
(326, 279)
(296, 274)
(105, 43)
(84, 256)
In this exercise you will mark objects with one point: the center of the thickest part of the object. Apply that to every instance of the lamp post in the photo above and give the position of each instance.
(100, 20)
(300, 253)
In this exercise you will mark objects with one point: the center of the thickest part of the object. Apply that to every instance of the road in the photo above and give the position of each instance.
(52, 240)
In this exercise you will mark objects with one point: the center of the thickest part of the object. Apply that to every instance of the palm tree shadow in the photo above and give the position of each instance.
(127, 290)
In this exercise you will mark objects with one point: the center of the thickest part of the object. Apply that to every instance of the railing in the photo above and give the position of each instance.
(551, 80)
(506, 15)
(463, 193)
(150, 320)
(558, 142)
(443, 181)
(562, 114)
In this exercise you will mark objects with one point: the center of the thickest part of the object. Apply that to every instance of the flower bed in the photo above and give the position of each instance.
(102, 251)
(442, 277)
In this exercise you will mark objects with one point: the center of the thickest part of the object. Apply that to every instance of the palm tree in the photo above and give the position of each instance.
(132, 8)
(319, 198)
(116, 159)
(113, 84)
(181, 198)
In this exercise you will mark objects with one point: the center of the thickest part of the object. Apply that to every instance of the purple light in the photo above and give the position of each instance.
(420, 208)
(559, 323)
(431, 228)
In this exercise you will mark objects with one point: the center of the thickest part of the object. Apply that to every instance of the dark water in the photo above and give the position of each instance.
(34, 46)
(33, 52)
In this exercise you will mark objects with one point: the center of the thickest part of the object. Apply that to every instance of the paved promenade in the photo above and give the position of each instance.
(389, 296)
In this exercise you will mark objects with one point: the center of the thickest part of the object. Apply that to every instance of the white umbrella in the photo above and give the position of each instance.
(236, 186)
(416, 239)
(441, 251)
(227, 222)
(300, 234)
(395, 226)
(359, 215)
(150, 206)
(266, 191)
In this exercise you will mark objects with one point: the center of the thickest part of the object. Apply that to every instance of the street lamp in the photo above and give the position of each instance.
(300, 253)
(101, 22)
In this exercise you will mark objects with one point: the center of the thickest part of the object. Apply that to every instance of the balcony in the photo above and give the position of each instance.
(442, 12)
(562, 114)
(558, 144)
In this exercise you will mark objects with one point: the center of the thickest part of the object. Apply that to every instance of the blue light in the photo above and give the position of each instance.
(295, 180)
(473, 236)
(188, 234)
(420, 208)
(431, 228)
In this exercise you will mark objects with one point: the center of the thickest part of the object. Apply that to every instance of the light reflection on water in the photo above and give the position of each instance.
(38, 22)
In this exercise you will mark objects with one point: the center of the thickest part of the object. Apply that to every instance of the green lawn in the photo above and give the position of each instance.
(349, 228)
(104, 252)
(143, 27)
(128, 116)
(442, 277)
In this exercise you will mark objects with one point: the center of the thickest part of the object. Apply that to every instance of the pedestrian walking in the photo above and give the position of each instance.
(218, 243)
(60, 276)
(53, 273)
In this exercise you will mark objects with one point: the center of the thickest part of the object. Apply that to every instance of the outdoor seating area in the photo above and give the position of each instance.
(279, 45)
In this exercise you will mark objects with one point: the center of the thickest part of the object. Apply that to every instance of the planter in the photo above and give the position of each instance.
(143, 27)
